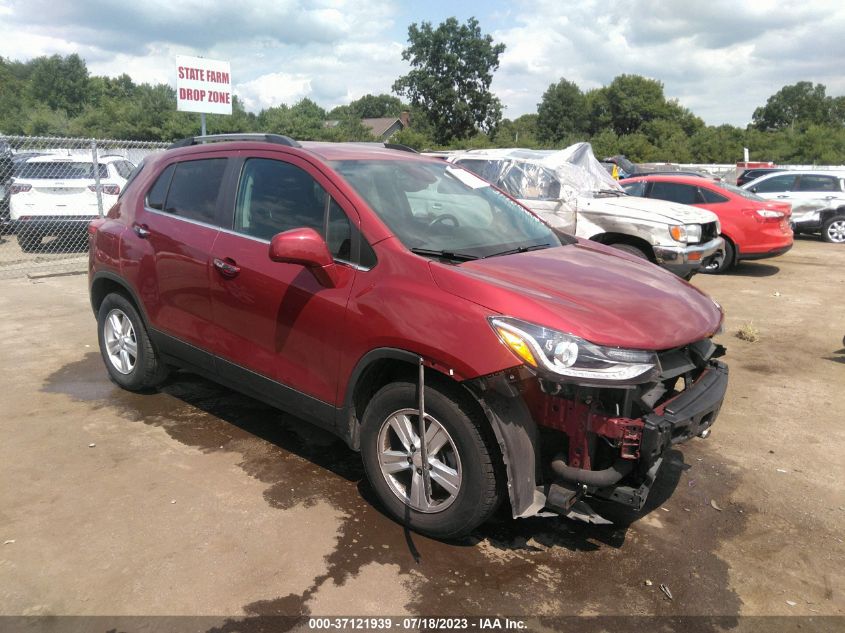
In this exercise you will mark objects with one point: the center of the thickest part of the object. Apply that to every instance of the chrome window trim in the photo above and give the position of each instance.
(336, 260)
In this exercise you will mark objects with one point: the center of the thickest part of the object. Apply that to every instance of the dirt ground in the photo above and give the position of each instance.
(196, 500)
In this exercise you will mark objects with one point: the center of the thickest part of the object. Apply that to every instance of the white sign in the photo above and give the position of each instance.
(203, 85)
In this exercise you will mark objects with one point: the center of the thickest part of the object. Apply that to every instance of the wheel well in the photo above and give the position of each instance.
(103, 287)
(624, 238)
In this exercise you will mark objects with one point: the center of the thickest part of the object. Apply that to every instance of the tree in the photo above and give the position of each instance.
(376, 107)
(561, 113)
(633, 100)
(452, 68)
(60, 83)
(802, 103)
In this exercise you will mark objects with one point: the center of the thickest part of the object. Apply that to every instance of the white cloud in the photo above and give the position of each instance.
(272, 89)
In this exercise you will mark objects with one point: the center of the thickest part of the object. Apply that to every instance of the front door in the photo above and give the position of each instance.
(276, 319)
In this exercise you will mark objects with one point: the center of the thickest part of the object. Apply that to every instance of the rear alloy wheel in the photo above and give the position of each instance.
(833, 230)
(127, 351)
(462, 489)
(721, 262)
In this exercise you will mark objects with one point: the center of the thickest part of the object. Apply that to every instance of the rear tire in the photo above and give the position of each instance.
(833, 230)
(128, 353)
(29, 242)
(719, 266)
(464, 460)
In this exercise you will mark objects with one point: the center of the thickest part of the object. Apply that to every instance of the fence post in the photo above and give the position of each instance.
(97, 177)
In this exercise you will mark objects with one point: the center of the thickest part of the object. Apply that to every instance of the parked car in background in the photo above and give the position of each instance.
(406, 305)
(752, 174)
(817, 198)
(573, 192)
(752, 227)
(56, 195)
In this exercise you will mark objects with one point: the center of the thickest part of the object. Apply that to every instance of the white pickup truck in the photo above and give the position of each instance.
(571, 191)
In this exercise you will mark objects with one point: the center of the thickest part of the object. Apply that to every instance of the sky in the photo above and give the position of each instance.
(719, 58)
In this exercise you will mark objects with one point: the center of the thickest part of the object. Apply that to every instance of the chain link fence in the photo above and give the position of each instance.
(50, 189)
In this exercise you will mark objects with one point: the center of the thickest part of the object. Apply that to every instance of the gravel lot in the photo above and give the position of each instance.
(198, 501)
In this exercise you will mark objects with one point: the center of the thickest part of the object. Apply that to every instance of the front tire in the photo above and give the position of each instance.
(128, 353)
(719, 265)
(833, 230)
(461, 461)
(636, 251)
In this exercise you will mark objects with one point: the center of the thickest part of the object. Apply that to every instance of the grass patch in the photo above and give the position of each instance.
(748, 333)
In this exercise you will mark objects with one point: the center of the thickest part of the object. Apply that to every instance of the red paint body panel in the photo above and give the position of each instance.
(750, 233)
(588, 290)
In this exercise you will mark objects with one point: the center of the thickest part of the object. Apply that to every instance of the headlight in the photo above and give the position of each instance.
(564, 357)
(678, 233)
(693, 233)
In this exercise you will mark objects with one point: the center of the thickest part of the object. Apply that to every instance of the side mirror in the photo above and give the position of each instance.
(753, 190)
(307, 248)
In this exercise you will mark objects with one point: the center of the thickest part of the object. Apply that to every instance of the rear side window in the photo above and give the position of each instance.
(674, 192)
(711, 197)
(194, 189)
(158, 192)
(818, 183)
(775, 184)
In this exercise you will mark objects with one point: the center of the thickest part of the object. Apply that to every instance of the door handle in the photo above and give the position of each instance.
(141, 230)
(782, 196)
(226, 267)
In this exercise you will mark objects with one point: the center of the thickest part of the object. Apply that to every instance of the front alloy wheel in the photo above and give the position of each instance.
(456, 487)
(401, 462)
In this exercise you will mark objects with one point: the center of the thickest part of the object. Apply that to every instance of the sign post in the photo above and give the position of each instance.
(204, 86)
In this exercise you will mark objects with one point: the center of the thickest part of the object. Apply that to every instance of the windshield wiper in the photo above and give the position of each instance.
(456, 257)
(521, 249)
(610, 192)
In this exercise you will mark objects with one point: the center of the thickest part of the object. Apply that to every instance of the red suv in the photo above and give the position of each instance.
(419, 313)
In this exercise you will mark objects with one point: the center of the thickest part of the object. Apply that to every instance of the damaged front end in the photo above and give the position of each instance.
(601, 428)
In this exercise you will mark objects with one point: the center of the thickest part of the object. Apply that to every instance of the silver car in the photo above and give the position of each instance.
(817, 197)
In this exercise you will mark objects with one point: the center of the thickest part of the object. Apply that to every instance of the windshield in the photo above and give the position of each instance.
(740, 192)
(440, 208)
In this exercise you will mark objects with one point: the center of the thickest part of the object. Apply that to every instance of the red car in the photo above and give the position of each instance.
(417, 312)
(753, 227)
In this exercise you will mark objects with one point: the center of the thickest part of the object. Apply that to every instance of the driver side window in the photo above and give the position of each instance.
(274, 196)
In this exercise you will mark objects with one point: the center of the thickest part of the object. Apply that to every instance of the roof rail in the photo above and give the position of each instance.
(400, 147)
(278, 139)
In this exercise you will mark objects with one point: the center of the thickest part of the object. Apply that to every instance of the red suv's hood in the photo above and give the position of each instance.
(590, 291)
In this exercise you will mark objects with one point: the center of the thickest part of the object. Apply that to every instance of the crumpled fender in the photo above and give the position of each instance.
(517, 436)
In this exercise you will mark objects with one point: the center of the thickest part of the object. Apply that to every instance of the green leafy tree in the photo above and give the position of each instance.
(632, 101)
(521, 132)
(451, 70)
(717, 144)
(561, 113)
(60, 83)
(800, 104)
(376, 106)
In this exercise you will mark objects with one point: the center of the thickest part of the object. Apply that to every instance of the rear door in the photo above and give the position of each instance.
(175, 232)
(814, 192)
(276, 321)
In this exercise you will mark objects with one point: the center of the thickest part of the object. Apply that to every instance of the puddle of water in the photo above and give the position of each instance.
(541, 566)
